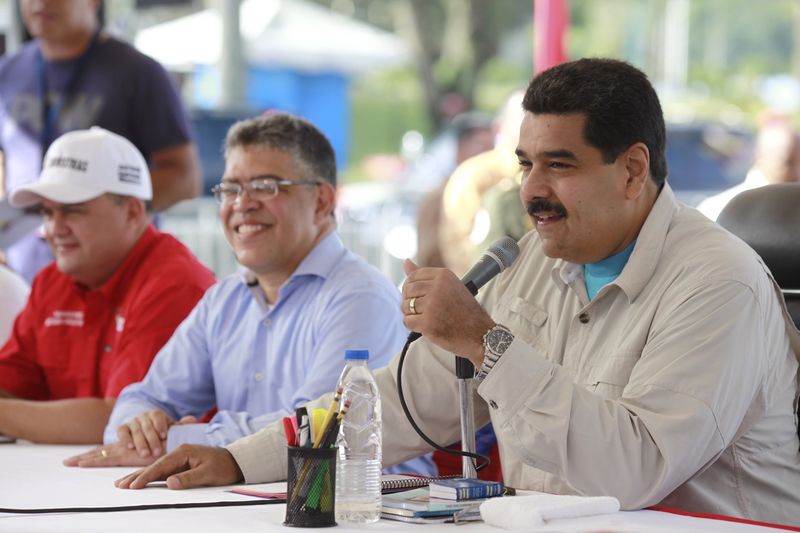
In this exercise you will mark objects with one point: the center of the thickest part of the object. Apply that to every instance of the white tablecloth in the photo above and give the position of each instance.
(32, 476)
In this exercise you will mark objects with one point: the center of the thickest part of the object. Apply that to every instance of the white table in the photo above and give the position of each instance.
(32, 476)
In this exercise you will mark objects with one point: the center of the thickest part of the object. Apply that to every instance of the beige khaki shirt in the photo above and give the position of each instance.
(675, 386)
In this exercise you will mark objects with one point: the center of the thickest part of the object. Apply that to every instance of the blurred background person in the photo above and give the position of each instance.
(13, 295)
(71, 76)
(468, 222)
(777, 160)
(474, 135)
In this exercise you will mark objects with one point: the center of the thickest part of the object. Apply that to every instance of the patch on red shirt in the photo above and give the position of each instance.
(64, 318)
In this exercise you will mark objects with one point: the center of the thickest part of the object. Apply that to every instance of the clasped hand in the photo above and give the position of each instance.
(141, 441)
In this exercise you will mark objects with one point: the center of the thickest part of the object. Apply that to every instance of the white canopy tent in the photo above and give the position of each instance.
(291, 33)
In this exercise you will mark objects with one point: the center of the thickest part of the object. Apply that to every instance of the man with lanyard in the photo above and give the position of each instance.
(266, 340)
(675, 383)
(72, 76)
(98, 315)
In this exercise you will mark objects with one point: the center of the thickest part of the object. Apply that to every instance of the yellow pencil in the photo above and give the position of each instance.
(330, 435)
(328, 416)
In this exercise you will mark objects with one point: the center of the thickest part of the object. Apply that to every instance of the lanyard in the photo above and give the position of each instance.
(50, 112)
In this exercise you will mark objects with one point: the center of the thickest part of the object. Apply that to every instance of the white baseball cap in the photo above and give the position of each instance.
(82, 165)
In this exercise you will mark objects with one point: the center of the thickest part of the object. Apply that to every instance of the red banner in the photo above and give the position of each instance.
(550, 23)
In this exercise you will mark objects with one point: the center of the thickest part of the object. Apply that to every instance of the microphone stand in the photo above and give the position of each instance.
(465, 371)
(495, 260)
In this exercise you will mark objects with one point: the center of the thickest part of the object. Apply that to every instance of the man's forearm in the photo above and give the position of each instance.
(175, 173)
(73, 421)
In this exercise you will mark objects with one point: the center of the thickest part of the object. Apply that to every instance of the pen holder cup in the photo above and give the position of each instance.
(311, 487)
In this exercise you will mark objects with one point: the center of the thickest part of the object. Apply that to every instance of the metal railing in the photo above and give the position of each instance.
(196, 224)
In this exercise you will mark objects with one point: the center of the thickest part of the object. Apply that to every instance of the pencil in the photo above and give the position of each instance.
(330, 437)
(328, 416)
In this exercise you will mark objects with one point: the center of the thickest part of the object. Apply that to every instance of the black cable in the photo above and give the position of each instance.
(474, 456)
(145, 507)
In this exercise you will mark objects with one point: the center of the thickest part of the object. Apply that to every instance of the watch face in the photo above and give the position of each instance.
(499, 340)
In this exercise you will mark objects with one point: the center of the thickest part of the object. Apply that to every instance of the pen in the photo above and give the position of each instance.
(289, 431)
(305, 432)
(299, 413)
(317, 416)
(329, 416)
(295, 430)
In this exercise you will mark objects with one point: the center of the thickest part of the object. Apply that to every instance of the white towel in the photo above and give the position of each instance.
(516, 512)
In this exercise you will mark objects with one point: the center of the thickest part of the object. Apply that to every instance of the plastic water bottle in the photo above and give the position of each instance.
(358, 466)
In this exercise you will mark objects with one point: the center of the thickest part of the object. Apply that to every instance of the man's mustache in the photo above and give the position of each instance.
(545, 206)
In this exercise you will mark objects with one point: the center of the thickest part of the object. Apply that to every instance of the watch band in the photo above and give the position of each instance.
(495, 343)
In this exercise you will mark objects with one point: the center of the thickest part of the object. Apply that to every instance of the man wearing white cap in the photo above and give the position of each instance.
(97, 316)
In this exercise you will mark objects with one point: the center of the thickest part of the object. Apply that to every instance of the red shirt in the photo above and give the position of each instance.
(72, 342)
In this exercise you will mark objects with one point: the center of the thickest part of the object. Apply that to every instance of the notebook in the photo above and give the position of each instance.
(465, 489)
(418, 503)
(418, 519)
(389, 484)
(401, 482)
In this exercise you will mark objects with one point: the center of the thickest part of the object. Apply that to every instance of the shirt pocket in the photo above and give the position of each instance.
(608, 376)
(525, 320)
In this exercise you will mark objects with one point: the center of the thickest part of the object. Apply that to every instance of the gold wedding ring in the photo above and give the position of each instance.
(412, 305)
(104, 453)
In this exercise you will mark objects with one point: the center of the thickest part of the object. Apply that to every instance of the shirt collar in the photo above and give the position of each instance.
(322, 259)
(649, 245)
(646, 252)
(610, 267)
(320, 262)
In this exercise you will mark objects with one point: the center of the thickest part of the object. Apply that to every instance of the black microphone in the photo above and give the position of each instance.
(497, 258)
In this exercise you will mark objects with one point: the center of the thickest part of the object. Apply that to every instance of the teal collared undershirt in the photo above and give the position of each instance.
(603, 272)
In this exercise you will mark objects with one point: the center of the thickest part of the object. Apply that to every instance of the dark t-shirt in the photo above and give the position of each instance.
(118, 88)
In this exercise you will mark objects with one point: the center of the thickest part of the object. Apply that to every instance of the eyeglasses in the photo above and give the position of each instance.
(259, 188)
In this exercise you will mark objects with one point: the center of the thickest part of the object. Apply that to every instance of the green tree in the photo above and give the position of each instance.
(452, 40)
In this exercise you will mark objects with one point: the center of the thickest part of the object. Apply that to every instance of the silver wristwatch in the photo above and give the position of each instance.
(495, 343)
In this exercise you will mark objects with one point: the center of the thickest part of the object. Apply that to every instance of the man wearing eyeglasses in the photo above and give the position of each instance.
(262, 343)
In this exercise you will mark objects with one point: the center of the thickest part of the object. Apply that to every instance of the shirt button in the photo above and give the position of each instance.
(493, 404)
(259, 376)
(267, 321)
(107, 348)
(584, 318)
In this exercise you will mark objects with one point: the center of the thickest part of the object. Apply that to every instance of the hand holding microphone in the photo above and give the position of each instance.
(441, 307)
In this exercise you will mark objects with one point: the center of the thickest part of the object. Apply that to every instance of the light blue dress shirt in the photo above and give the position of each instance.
(258, 362)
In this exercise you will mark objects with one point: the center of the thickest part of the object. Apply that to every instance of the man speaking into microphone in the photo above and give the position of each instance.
(634, 349)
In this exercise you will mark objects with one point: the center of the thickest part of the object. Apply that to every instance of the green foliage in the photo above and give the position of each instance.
(733, 44)
(384, 105)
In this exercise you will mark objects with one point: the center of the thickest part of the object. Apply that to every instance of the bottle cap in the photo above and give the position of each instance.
(356, 354)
